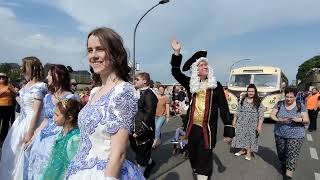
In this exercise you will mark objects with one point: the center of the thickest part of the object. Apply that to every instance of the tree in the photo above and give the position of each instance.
(4, 68)
(12, 70)
(307, 66)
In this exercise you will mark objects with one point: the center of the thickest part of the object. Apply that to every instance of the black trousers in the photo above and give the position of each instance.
(143, 151)
(313, 115)
(200, 158)
(5, 115)
(288, 151)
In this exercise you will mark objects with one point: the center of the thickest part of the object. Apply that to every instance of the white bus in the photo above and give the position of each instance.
(270, 82)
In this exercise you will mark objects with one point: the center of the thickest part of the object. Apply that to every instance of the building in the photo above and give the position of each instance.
(312, 80)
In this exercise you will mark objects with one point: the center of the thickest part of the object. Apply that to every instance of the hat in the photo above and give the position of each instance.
(73, 81)
(197, 55)
(3, 74)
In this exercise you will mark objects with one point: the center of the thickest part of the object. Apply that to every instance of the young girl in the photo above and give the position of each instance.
(37, 154)
(66, 145)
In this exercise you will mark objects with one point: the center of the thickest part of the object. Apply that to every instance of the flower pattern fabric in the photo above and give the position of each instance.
(97, 122)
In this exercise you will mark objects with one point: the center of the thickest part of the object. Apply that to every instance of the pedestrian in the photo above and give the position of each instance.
(312, 106)
(162, 115)
(143, 134)
(37, 154)
(248, 121)
(23, 128)
(7, 94)
(207, 97)
(175, 94)
(66, 144)
(74, 85)
(182, 95)
(106, 121)
(291, 117)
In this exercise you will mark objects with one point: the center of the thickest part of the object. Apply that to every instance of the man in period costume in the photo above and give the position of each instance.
(207, 96)
(143, 134)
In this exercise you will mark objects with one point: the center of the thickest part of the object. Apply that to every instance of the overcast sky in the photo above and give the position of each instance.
(282, 33)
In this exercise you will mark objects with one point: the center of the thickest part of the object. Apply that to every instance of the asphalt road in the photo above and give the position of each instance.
(263, 166)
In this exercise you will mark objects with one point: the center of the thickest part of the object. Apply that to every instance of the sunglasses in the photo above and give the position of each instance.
(3, 77)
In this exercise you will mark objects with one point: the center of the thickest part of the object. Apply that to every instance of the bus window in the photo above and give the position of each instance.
(265, 80)
(241, 80)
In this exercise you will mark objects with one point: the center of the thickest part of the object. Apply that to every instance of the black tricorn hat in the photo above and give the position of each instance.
(193, 59)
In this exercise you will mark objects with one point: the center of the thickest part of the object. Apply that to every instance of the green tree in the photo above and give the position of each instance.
(307, 66)
(4, 67)
(12, 70)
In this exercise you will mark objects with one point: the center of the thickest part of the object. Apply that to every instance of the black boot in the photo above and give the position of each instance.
(285, 177)
(148, 169)
(283, 169)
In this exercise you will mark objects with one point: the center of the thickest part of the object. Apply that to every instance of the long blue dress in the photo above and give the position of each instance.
(38, 153)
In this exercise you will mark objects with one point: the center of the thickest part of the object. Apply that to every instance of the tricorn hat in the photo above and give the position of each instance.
(197, 55)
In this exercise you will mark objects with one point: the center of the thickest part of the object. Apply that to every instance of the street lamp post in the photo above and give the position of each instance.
(238, 62)
(134, 35)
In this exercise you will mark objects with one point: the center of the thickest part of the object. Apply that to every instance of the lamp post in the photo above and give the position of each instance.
(238, 62)
(135, 30)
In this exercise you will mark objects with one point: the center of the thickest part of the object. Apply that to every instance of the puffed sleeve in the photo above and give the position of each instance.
(40, 91)
(123, 109)
(72, 146)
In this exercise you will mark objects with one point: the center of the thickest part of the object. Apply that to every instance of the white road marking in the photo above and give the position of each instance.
(313, 153)
(317, 176)
(309, 137)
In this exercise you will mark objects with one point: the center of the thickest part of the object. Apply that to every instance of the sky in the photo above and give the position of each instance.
(279, 33)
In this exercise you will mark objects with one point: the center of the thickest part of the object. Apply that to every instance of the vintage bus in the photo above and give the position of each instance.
(270, 82)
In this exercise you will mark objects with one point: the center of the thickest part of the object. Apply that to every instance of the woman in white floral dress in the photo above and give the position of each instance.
(107, 119)
(21, 132)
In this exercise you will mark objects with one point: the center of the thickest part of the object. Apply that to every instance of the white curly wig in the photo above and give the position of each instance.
(195, 84)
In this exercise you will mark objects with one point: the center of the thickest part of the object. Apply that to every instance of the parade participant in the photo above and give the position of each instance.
(312, 106)
(7, 93)
(66, 144)
(143, 134)
(162, 115)
(291, 116)
(39, 150)
(248, 121)
(74, 85)
(207, 97)
(22, 130)
(106, 121)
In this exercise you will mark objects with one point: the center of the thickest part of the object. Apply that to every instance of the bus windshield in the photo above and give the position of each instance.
(265, 80)
(260, 80)
(241, 80)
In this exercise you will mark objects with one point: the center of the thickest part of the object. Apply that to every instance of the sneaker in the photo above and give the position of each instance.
(240, 153)
(247, 158)
(174, 141)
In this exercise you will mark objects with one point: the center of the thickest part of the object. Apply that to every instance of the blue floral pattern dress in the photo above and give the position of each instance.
(38, 153)
(97, 122)
(11, 166)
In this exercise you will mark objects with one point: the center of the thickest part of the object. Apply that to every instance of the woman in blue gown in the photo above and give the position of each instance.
(39, 151)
